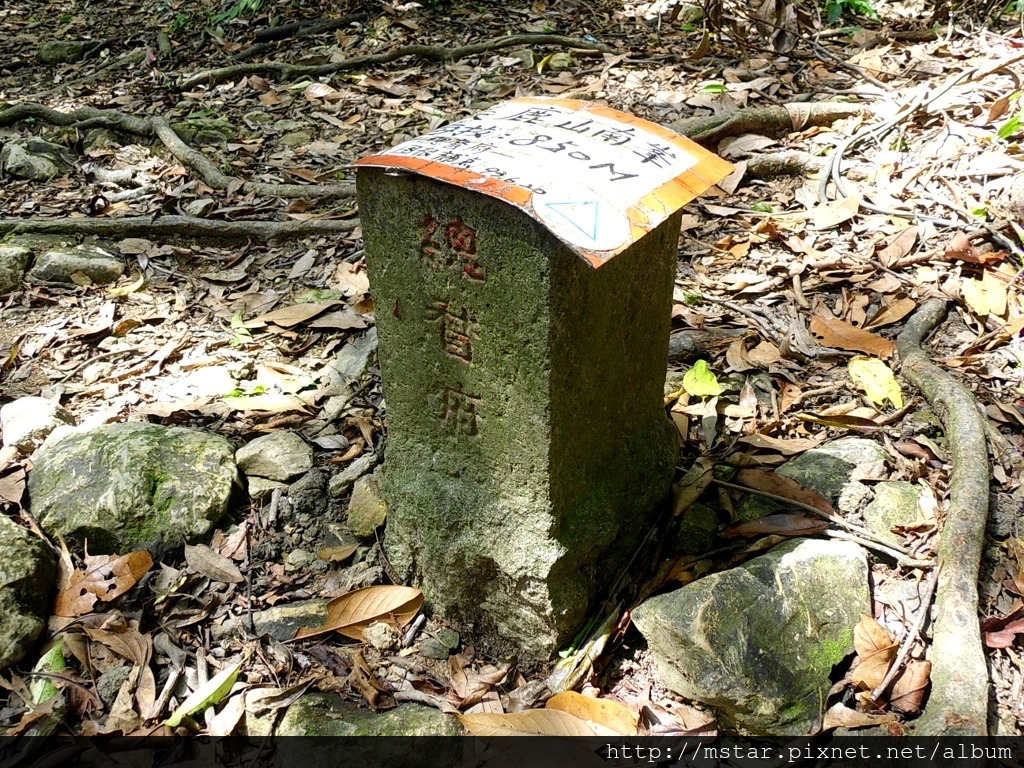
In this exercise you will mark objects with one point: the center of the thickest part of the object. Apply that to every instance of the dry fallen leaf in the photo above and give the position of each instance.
(534, 722)
(605, 712)
(779, 485)
(775, 525)
(875, 652)
(909, 690)
(842, 335)
(351, 613)
(841, 716)
(835, 212)
(212, 565)
(105, 577)
(986, 296)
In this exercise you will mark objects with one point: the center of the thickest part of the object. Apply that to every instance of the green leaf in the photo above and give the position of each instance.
(876, 379)
(699, 381)
(212, 692)
(42, 688)
(762, 207)
(1007, 129)
(713, 88)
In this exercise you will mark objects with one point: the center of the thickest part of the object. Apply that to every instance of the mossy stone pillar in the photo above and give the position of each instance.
(523, 308)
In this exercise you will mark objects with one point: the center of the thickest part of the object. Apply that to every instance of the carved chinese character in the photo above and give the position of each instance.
(458, 329)
(461, 238)
(432, 251)
(458, 409)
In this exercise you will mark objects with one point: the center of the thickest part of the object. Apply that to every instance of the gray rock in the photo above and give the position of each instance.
(342, 482)
(261, 487)
(367, 511)
(62, 265)
(199, 131)
(895, 503)
(34, 159)
(319, 714)
(308, 494)
(833, 470)
(277, 456)
(759, 641)
(99, 139)
(13, 261)
(62, 51)
(295, 139)
(286, 125)
(27, 421)
(126, 486)
(28, 572)
(383, 637)
(279, 621)
(109, 683)
(200, 208)
(343, 373)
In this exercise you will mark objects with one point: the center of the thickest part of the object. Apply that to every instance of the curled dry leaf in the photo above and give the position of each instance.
(351, 613)
(105, 577)
(875, 652)
(604, 712)
(841, 716)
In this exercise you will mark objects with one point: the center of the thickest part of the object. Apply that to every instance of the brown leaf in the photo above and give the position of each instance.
(105, 577)
(351, 613)
(472, 685)
(842, 335)
(337, 554)
(776, 484)
(909, 690)
(831, 214)
(780, 525)
(534, 722)
(343, 320)
(212, 565)
(785, 446)
(899, 246)
(362, 679)
(12, 485)
(891, 313)
(286, 317)
(875, 651)
(960, 247)
(607, 712)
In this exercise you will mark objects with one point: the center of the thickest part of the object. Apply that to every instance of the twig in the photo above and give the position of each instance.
(885, 549)
(430, 52)
(180, 226)
(864, 532)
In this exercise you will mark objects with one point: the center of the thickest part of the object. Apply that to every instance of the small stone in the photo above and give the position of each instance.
(62, 51)
(28, 573)
(317, 714)
(560, 62)
(287, 125)
(895, 504)
(308, 494)
(298, 559)
(449, 637)
(280, 621)
(34, 159)
(108, 685)
(66, 265)
(99, 139)
(383, 637)
(367, 510)
(277, 456)
(342, 482)
(432, 648)
(13, 261)
(27, 421)
(200, 208)
(261, 487)
(525, 56)
(295, 139)
(257, 117)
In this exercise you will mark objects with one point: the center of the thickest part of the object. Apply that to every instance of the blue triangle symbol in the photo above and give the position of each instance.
(582, 214)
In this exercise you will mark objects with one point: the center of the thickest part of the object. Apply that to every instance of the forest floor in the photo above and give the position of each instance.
(815, 253)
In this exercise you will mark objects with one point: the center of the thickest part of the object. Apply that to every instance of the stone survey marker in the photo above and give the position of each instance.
(522, 263)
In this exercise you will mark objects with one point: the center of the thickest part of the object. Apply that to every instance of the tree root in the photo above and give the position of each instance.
(158, 127)
(431, 52)
(958, 705)
(180, 226)
(769, 121)
(267, 38)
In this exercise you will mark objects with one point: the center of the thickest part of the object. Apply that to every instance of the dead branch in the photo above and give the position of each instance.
(159, 128)
(287, 71)
(959, 699)
(769, 121)
(179, 226)
(266, 38)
